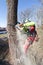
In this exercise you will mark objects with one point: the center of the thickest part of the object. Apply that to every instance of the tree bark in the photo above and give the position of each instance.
(12, 21)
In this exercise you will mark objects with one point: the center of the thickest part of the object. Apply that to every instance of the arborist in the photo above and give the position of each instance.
(32, 34)
(30, 29)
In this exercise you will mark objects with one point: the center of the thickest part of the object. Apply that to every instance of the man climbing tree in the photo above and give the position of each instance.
(12, 21)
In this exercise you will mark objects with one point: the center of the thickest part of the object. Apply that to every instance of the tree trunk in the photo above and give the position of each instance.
(12, 21)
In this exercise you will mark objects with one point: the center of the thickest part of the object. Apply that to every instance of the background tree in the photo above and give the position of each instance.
(40, 12)
(41, 1)
(40, 15)
(26, 14)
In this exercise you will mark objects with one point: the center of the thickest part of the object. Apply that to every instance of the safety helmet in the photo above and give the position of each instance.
(27, 21)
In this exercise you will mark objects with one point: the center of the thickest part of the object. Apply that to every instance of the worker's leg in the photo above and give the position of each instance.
(27, 44)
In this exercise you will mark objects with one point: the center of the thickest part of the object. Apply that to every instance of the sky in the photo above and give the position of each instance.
(22, 5)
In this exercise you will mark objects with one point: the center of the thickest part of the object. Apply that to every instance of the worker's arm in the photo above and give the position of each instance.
(19, 27)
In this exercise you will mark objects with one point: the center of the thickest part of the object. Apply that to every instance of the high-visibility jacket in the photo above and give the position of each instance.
(29, 24)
